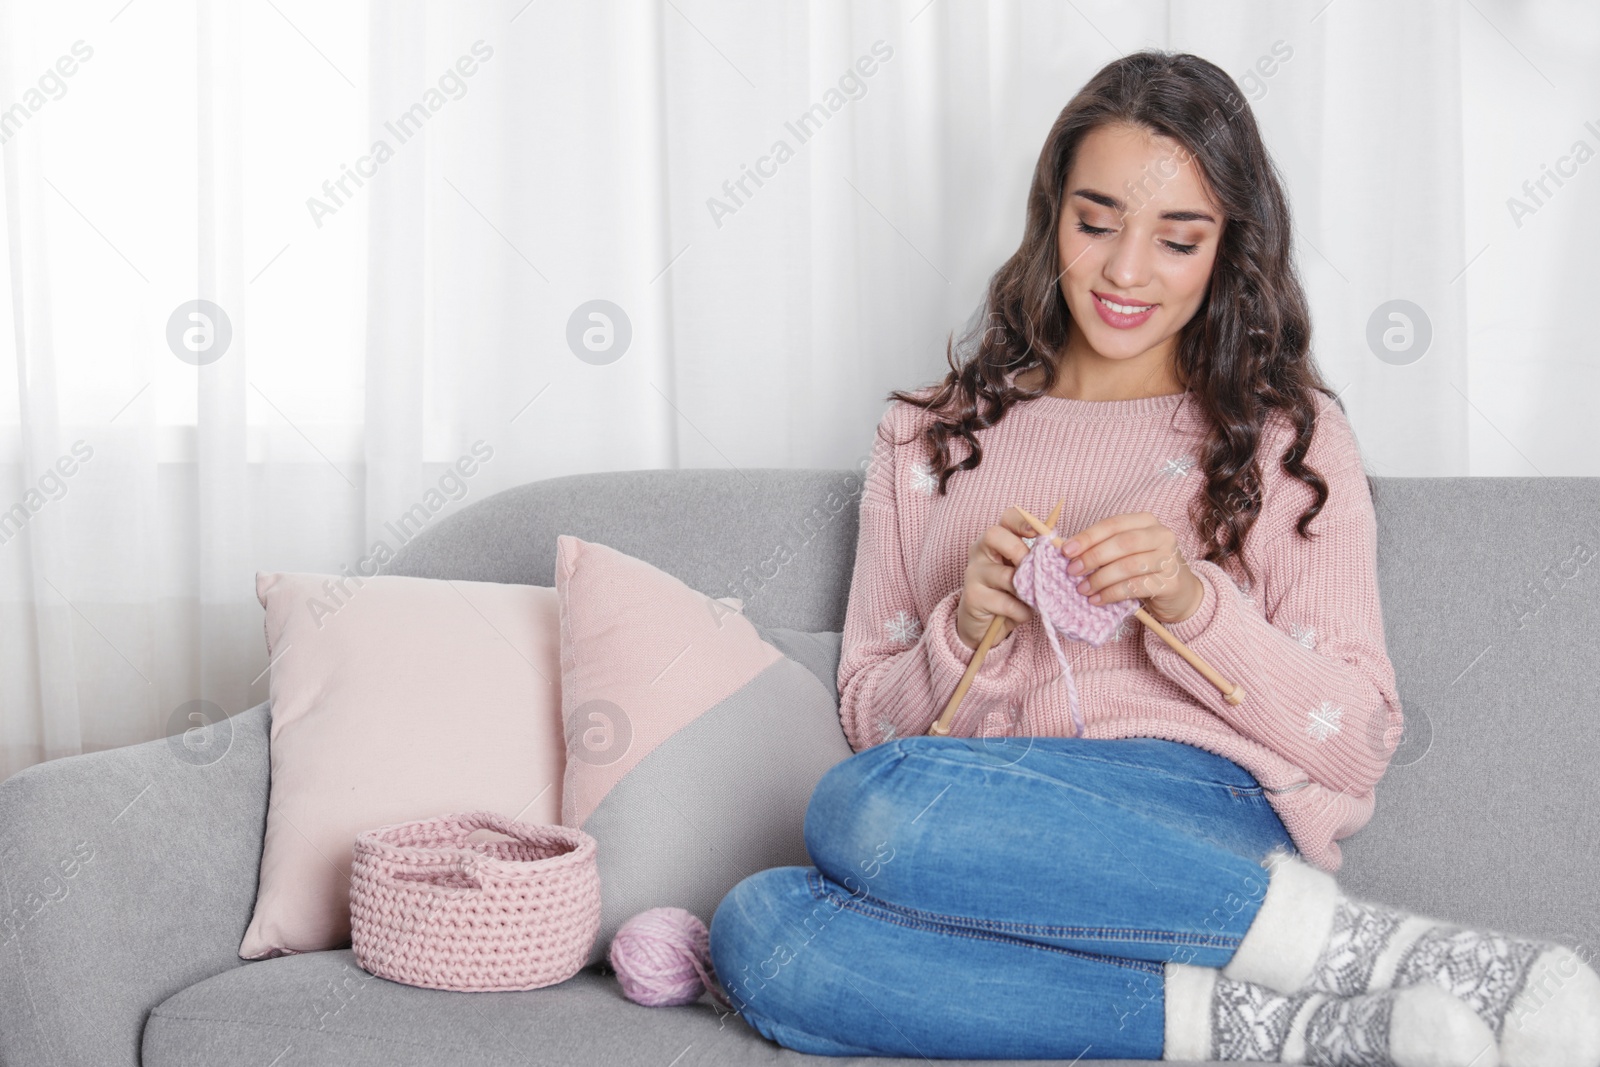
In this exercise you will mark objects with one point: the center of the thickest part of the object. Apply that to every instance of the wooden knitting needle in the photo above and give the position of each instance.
(941, 725)
(1232, 692)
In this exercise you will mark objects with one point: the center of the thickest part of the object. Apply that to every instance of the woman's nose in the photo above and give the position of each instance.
(1129, 264)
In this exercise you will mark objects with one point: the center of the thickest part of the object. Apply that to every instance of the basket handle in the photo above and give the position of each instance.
(440, 847)
(461, 863)
(465, 863)
(491, 820)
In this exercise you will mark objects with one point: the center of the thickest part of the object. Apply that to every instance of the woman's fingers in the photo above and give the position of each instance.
(1092, 543)
(1014, 521)
(988, 587)
(987, 592)
(1119, 548)
(1005, 544)
(996, 575)
(988, 600)
(1144, 574)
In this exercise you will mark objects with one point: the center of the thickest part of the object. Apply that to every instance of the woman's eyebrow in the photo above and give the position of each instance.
(1117, 205)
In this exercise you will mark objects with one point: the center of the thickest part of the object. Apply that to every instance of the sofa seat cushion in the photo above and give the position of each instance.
(322, 1008)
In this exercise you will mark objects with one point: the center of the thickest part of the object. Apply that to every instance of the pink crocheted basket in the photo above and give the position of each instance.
(430, 908)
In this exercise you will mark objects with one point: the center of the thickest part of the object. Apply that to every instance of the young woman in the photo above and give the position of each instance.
(1156, 885)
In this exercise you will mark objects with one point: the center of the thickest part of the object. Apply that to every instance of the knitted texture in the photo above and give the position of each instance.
(1321, 717)
(1042, 581)
(430, 908)
(662, 957)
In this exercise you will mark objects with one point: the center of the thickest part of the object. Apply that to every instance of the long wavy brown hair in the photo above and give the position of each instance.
(1245, 352)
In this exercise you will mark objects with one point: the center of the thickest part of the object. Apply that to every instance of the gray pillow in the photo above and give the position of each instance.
(817, 653)
(725, 796)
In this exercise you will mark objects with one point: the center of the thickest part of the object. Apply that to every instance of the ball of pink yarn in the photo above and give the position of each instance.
(662, 957)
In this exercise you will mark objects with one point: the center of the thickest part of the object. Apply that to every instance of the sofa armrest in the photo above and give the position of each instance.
(125, 876)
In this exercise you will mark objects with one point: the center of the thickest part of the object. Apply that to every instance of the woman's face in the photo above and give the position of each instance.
(1139, 233)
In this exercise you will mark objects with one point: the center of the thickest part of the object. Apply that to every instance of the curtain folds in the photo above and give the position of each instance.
(271, 270)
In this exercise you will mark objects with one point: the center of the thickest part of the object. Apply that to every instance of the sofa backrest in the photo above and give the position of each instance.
(1490, 812)
(780, 540)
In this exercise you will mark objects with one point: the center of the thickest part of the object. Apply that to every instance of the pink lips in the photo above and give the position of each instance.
(1115, 318)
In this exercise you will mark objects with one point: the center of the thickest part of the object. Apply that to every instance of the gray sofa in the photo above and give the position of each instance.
(129, 876)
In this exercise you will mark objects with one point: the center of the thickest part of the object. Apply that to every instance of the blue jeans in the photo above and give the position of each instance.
(998, 898)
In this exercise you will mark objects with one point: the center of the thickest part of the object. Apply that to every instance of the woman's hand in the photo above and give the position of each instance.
(986, 591)
(1134, 557)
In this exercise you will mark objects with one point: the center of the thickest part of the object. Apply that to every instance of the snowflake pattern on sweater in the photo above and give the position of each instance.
(1178, 467)
(1322, 722)
(903, 629)
(1306, 635)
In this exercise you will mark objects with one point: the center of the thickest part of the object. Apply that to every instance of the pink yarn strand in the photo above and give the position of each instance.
(1066, 669)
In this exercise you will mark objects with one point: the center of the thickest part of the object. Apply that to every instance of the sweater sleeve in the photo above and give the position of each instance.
(1319, 686)
(898, 666)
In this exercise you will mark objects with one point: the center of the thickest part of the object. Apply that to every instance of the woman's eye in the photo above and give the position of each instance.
(1100, 231)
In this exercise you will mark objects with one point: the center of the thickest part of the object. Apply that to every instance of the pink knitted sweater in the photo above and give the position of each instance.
(1321, 717)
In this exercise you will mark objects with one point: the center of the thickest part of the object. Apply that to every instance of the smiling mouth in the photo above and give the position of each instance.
(1123, 309)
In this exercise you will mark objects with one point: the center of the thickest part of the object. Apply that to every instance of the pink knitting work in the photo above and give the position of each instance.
(1042, 581)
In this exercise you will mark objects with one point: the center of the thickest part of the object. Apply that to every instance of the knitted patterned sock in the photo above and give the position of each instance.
(1212, 1017)
(1540, 1000)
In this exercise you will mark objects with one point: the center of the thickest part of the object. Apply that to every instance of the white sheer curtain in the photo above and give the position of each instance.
(394, 305)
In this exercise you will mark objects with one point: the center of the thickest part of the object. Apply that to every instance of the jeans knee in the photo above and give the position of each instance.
(756, 933)
(855, 811)
(778, 953)
(851, 774)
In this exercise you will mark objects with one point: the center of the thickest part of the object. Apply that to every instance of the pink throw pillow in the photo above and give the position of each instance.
(635, 637)
(693, 740)
(395, 699)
